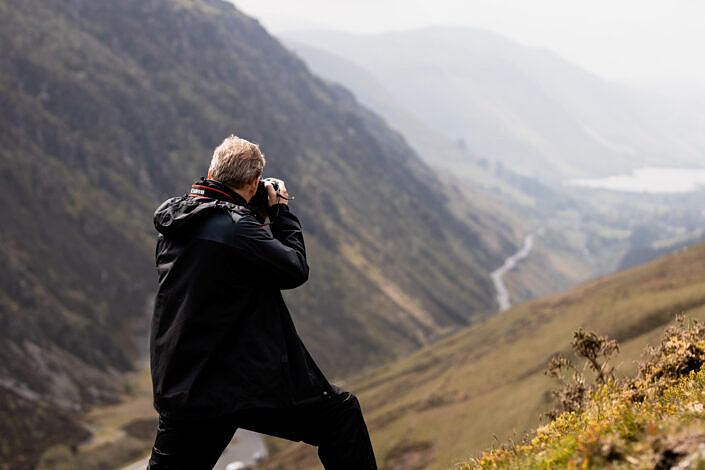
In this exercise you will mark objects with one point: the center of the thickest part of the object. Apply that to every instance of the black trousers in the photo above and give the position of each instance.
(335, 425)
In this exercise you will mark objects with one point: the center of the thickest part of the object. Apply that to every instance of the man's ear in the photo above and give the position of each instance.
(253, 186)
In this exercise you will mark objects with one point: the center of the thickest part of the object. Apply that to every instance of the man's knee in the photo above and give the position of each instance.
(352, 401)
(344, 396)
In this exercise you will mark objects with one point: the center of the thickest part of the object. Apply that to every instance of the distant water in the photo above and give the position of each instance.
(658, 180)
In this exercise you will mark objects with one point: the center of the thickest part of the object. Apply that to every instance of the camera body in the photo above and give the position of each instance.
(261, 198)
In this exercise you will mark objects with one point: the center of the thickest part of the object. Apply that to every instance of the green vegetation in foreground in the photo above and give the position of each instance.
(446, 403)
(655, 420)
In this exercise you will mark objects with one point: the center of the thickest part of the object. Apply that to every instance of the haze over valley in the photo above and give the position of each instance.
(533, 130)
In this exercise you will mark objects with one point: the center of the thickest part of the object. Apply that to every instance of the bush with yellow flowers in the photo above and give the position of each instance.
(653, 421)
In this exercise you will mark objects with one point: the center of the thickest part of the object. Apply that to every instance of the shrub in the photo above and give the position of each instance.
(681, 350)
(655, 420)
(573, 393)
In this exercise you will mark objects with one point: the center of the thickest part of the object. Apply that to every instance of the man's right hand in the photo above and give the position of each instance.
(274, 198)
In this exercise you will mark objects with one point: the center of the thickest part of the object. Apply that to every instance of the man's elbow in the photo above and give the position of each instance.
(303, 275)
(297, 278)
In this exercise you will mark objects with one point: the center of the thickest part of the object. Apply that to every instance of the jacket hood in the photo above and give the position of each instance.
(177, 213)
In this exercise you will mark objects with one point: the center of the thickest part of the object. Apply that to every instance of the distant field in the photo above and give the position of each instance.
(449, 401)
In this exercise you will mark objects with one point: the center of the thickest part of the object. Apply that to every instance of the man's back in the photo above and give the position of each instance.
(222, 338)
(224, 351)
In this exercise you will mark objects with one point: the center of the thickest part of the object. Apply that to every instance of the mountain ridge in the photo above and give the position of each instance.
(518, 104)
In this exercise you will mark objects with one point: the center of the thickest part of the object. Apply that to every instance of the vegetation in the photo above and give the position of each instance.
(654, 420)
(486, 384)
(573, 392)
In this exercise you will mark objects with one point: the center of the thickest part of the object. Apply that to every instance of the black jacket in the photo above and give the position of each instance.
(221, 337)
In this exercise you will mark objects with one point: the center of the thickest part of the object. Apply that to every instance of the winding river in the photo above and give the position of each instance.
(510, 263)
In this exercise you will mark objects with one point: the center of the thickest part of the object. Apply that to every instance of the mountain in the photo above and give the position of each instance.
(525, 107)
(110, 107)
(584, 234)
(435, 147)
(519, 201)
(447, 402)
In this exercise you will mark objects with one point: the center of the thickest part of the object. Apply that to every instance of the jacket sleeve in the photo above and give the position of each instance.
(279, 255)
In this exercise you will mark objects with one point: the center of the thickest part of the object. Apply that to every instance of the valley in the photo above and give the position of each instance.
(432, 188)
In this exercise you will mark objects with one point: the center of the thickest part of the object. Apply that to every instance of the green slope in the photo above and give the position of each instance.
(651, 421)
(447, 402)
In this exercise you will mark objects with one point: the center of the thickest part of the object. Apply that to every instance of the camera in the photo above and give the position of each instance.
(261, 198)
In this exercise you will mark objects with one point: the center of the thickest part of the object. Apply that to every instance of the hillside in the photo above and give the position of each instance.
(585, 233)
(652, 420)
(447, 402)
(558, 262)
(525, 107)
(110, 107)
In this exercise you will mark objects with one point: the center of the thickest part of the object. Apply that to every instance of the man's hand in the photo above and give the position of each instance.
(282, 197)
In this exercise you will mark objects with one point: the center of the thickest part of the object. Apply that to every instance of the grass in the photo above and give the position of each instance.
(486, 385)
(618, 428)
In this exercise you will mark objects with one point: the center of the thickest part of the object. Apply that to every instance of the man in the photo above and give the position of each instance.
(224, 350)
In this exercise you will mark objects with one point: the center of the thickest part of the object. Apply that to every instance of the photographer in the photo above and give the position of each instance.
(224, 351)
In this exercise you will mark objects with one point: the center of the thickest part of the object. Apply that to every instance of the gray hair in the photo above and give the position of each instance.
(236, 162)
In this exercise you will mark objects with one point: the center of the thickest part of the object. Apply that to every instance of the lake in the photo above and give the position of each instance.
(658, 180)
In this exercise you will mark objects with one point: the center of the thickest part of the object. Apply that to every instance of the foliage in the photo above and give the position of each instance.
(681, 351)
(573, 392)
(653, 421)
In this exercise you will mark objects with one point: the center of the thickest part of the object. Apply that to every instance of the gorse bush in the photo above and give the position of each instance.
(655, 420)
(572, 393)
(681, 351)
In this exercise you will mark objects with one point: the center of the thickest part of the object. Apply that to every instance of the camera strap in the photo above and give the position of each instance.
(213, 190)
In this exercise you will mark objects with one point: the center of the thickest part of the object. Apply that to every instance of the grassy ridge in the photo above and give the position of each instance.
(617, 433)
(446, 403)
(653, 420)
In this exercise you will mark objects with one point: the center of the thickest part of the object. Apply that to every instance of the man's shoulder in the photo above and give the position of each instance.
(227, 224)
(189, 215)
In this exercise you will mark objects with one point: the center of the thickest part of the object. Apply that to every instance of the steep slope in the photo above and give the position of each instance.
(504, 197)
(584, 233)
(445, 403)
(525, 107)
(109, 107)
(434, 147)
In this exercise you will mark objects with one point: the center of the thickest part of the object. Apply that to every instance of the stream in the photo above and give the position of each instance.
(503, 298)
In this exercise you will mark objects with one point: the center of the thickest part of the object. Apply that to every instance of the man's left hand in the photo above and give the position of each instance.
(276, 197)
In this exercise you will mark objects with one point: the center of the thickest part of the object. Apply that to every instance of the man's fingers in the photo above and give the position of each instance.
(270, 187)
(274, 195)
(280, 184)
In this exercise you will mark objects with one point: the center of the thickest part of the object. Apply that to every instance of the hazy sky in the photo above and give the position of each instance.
(638, 41)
